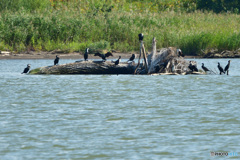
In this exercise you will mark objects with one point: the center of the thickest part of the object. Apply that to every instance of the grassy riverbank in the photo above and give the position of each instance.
(73, 28)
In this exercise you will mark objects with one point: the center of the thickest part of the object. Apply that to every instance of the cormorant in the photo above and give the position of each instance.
(204, 68)
(56, 60)
(192, 67)
(140, 36)
(26, 69)
(220, 68)
(157, 69)
(179, 52)
(132, 57)
(118, 61)
(103, 56)
(227, 66)
(86, 54)
(195, 68)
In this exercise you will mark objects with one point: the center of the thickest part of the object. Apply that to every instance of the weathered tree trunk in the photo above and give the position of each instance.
(142, 51)
(151, 57)
(145, 58)
(167, 61)
(87, 67)
(139, 58)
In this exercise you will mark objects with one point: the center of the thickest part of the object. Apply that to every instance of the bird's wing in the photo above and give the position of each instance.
(98, 54)
(108, 54)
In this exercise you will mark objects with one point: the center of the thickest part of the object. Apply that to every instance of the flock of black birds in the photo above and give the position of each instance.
(192, 67)
(226, 69)
(103, 56)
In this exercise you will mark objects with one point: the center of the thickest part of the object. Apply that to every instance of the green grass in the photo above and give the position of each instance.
(75, 26)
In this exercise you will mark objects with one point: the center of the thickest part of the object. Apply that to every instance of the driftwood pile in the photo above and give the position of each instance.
(167, 61)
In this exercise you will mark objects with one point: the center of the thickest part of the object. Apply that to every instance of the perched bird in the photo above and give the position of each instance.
(132, 57)
(118, 61)
(160, 67)
(140, 36)
(108, 54)
(192, 67)
(179, 53)
(26, 69)
(86, 54)
(103, 56)
(56, 60)
(204, 68)
(220, 68)
(227, 66)
(157, 69)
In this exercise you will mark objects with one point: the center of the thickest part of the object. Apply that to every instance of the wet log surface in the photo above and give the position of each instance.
(87, 67)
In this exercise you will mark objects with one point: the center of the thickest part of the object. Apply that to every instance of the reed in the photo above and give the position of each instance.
(75, 26)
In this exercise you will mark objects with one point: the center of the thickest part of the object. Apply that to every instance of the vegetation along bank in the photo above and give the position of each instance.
(195, 26)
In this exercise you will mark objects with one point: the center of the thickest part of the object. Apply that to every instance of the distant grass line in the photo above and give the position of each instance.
(74, 31)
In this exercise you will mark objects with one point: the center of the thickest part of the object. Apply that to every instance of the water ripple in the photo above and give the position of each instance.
(117, 117)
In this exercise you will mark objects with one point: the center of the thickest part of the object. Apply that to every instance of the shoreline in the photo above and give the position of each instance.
(49, 55)
(79, 55)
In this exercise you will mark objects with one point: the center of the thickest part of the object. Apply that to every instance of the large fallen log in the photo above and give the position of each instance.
(168, 61)
(87, 67)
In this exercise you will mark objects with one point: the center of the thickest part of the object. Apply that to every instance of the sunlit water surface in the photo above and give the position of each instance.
(118, 117)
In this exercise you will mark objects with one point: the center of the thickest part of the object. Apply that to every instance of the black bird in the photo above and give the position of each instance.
(26, 69)
(86, 54)
(157, 69)
(192, 67)
(132, 57)
(118, 61)
(227, 66)
(140, 36)
(179, 52)
(220, 68)
(56, 60)
(204, 68)
(103, 56)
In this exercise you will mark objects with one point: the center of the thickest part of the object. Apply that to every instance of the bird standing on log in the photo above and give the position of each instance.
(179, 52)
(132, 57)
(26, 69)
(226, 69)
(204, 68)
(118, 61)
(103, 56)
(220, 68)
(140, 36)
(192, 67)
(86, 54)
(56, 60)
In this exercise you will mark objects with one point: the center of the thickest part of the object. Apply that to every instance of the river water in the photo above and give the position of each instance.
(118, 117)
